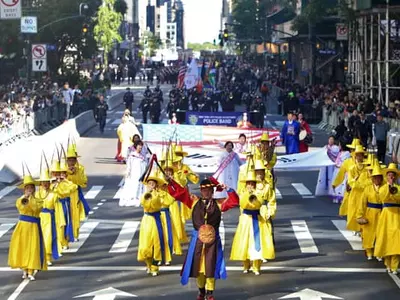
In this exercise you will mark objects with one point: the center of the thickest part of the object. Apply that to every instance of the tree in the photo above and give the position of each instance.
(108, 22)
(204, 46)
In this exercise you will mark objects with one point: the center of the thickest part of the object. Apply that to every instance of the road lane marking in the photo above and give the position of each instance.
(125, 237)
(85, 232)
(94, 191)
(100, 204)
(4, 228)
(116, 122)
(4, 192)
(302, 190)
(108, 120)
(95, 208)
(19, 289)
(119, 193)
(121, 183)
(229, 268)
(303, 236)
(222, 234)
(278, 194)
(353, 240)
(395, 279)
(103, 200)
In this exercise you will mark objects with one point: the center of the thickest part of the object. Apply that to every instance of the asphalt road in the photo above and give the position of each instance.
(315, 257)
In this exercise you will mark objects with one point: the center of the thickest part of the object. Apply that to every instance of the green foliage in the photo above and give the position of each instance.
(204, 46)
(150, 43)
(106, 30)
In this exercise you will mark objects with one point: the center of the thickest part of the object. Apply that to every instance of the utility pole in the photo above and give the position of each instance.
(387, 58)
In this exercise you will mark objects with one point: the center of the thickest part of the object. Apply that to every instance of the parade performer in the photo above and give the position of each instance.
(253, 238)
(126, 130)
(228, 170)
(387, 243)
(135, 167)
(303, 145)
(244, 123)
(337, 193)
(205, 258)
(27, 250)
(64, 189)
(267, 151)
(172, 243)
(77, 175)
(151, 237)
(244, 169)
(50, 217)
(241, 146)
(358, 180)
(370, 210)
(290, 134)
(173, 120)
(341, 178)
(325, 176)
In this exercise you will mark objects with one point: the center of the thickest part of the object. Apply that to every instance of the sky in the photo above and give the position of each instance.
(202, 20)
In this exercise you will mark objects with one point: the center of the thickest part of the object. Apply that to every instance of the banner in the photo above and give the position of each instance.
(307, 161)
(213, 118)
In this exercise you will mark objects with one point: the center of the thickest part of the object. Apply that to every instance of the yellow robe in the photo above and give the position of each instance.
(344, 169)
(50, 201)
(166, 201)
(183, 176)
(80, 179)
(370, 195)
(149, 240)
(388, 229)
(24, 252)
(66, 189)
(243, 245)
(358, 180)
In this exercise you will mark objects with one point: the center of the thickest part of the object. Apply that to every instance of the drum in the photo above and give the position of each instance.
(302, 135)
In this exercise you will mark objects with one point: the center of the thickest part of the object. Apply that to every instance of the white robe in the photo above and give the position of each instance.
(128, 130)
(325, 176)
(229, 175)
(136, 165)
(338, 194)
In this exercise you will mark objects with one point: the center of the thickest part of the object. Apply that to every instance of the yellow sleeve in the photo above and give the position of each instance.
(386, 195)
(30, 207)
(166, 199)
(152, 204)
(82, 178)
(341, 174)
(271, 203)
(180, 178)
(246, 204)
(193, 177)
(363, 206)
(272, 162)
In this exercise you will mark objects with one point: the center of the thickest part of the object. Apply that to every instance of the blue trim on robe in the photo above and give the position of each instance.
(34, 220)
(157, 217)
(68, 231)
(54, 243)
(169, 229)
(391, 205)
(256, 228)
(374, 205)
(220, 267)
(82, 198)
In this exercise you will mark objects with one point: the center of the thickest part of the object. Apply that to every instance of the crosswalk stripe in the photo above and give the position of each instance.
(125, 237)
(108, 120)
(302, 190)
(4, 228)
(278, 194)
(6, 191)
(121, 183)
(222, 234)
(353, 240)
(94, 191)
(116, 122)
(85, 231)
(118, 193)
(303, 236)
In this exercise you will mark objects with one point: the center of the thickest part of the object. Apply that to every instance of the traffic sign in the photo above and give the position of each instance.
(29, 25)
(341, 32)
(39, 58)
(10, 9)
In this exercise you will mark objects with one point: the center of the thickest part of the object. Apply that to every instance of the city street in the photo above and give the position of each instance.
(315, 257)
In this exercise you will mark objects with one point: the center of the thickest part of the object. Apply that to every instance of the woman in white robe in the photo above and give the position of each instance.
(338, 194)
(135, 167)
(228, 170)
(325, 176)
(125, 133)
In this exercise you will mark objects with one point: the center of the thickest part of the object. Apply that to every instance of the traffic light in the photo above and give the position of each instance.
(85, 28)
(226, 35)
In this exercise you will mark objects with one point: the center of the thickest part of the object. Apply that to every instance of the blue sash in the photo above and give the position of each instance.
(157, 217)
(256, 229)
(391, 205)
(68, 231)
(169, 228)
(220, 267)
(374, 205)
(54, 246)
(34, 220)
(86, 206)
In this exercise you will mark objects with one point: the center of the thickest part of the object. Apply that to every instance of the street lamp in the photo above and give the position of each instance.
(83, 6)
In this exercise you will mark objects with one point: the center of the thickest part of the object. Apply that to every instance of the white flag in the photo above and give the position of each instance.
(192, 75)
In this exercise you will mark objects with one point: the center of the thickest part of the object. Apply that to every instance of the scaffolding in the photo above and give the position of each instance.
(372, 61)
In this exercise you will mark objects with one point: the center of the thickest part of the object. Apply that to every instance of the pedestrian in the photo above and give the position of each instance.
(381, 130)
(128, 99)
(205, 257)
(101, 113)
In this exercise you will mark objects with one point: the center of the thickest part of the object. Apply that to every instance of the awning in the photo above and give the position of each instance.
(281, 16)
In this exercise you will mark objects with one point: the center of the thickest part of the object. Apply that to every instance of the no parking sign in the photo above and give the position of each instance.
(342, 32)
(10, 9)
